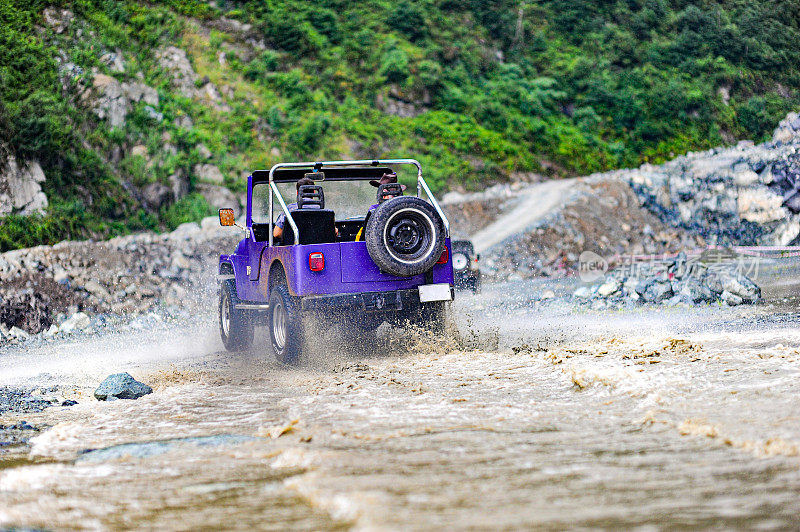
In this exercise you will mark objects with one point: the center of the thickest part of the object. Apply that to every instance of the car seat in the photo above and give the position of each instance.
(315, 223)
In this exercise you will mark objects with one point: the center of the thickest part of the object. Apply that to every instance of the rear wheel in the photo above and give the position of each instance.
(236, 326)
(285, 325)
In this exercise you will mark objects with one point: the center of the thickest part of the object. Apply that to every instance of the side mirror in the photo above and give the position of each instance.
(226, 218)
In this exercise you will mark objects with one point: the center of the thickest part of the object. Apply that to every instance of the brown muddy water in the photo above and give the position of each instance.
(539, 416)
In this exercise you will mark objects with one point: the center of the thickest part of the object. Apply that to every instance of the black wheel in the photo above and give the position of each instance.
(236, 326)
(405, 236)
(285, 325)
(476, 285)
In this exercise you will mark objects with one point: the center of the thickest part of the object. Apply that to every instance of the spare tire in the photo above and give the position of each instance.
(405, 236)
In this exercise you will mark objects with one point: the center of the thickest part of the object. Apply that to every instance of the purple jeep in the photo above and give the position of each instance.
(386, 262)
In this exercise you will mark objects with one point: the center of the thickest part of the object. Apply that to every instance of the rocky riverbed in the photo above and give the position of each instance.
(77, 285)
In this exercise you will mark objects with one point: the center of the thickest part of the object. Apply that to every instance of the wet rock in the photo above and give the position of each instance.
(121, 386)
(583, 292)
(679, 281)
(20, 188)
(693, 291)
(731, 299)
(740, 286)
(76, 322)
(611, 286)
(658, 291)
(69, 402)
(20, 400)
(18, 334)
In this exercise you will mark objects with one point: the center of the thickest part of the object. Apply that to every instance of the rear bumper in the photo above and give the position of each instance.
(388, 301)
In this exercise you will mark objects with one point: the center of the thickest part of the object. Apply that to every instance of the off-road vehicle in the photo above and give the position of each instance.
(390, 263)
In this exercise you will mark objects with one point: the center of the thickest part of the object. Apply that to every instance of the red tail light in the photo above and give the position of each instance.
(316, 262)
(444, 257)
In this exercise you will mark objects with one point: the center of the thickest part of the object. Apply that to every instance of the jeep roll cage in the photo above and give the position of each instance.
(361, 170)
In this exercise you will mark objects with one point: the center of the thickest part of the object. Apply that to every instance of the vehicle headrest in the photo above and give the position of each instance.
(391, 190)
(310, 195)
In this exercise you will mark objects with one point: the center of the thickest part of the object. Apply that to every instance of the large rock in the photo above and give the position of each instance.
(177, 63)
(220, 197)
(57, 19)
(111, 104)
(20, 188)
(76, 322)
(209, 172)
(788, 129)
(157, 195)
(115, 100)
(658, 291)
(121, 386)
(179, 184)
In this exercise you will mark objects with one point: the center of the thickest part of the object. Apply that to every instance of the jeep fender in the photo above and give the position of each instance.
(277, 274)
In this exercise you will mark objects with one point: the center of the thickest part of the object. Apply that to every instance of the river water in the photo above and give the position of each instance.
(538, 416)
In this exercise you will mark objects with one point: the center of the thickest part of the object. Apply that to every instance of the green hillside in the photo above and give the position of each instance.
(478, 90)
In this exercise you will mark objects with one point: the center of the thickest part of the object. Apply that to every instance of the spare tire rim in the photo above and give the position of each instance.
(409, 236)
(405, 236)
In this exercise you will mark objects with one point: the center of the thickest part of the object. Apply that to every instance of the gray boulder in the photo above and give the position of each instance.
(693, 291)
(179, 184)
(219, 197)
(731, 299)
(57, 19)
(157, 195)
(658, 291)
(740, 286)
(20, 188)
(121, 386)
(209, 173)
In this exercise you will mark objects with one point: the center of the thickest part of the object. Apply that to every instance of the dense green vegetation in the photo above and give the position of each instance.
(559, 87)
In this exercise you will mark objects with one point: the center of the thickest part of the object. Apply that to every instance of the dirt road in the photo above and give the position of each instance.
(536, 203)
(547, 417)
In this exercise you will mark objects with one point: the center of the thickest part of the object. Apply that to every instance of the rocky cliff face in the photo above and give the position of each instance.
(20, 188)
(746, 195)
